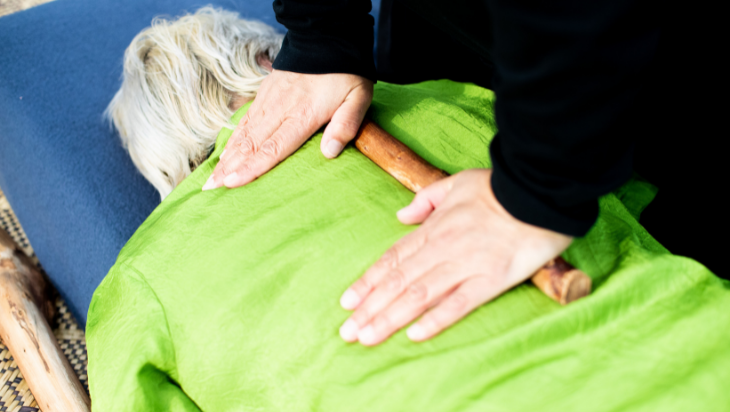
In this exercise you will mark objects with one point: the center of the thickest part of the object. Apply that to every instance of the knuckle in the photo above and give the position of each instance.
(457, 302)
(395, 280)
(301, 115)
(245, 168)
(337, 129)
(448, 236)
(305, 112)
(231, 167)
(272, 148)
(242, 126)
(224, 169)
(417, 293)
(382, 322)
(422, 238)
(350, 125)
(246, 147)
(390, 258)
(346, 128)
(243, 131)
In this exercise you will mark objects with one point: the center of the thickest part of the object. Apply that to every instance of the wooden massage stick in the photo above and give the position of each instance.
(557, 278)
(25, 311)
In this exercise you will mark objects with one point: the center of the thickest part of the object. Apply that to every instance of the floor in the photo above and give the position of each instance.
(13, 6)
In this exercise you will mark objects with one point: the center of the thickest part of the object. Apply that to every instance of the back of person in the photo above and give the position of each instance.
(227, 299)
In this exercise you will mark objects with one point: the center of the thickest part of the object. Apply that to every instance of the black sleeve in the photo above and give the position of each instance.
(326, 36)
(567, 76)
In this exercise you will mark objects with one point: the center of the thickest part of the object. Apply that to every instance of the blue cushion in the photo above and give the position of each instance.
(73, 187)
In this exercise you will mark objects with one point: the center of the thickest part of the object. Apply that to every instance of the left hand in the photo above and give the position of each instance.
(468, 251)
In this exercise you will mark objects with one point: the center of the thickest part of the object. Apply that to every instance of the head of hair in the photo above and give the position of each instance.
(180, 81)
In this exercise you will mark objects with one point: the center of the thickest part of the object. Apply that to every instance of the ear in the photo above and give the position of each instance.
(264, 61)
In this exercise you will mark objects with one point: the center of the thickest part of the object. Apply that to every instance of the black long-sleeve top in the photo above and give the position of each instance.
(566, 77)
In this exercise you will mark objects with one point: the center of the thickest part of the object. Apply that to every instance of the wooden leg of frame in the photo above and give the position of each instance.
(25, 310)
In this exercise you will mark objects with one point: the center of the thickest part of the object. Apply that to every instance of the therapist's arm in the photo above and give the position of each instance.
(567, 73)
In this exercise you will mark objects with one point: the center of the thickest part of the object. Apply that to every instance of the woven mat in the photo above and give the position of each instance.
(14, 393)
(13, 6)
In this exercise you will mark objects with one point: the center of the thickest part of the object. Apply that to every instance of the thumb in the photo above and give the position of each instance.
(426, 200)
(345, 122)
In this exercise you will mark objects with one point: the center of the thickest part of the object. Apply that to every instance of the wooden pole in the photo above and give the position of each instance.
(557, 279)
(25, 310)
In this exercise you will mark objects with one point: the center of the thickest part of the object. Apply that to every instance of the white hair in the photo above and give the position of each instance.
(181, 79)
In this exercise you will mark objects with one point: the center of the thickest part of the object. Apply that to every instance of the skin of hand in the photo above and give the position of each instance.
(288, 109)
(468, 251)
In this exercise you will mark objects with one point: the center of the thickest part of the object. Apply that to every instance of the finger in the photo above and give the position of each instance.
(219, 172)
(397, 282)
(249, 141)
(359, 290)
(402, 249)
(345, 122)
(471, 294)
(250, 132)
(285, 141)
(416, 299)
(425, 202)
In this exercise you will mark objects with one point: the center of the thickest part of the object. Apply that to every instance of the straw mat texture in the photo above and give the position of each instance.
(13, 6)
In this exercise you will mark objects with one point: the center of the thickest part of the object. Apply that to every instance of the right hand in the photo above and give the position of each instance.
(288, 110)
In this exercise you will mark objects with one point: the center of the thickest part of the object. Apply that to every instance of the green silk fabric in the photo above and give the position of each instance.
(228, 300)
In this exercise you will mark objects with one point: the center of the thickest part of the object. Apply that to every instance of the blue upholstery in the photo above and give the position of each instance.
(73, 187)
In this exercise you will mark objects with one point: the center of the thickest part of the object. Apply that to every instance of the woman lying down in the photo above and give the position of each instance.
(227, 300)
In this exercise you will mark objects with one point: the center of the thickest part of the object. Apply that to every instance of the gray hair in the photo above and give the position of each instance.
(181, 80)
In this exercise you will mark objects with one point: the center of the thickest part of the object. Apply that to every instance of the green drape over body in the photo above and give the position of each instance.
(228, 300)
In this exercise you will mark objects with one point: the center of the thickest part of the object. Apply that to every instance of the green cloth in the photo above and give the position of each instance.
(228, 300)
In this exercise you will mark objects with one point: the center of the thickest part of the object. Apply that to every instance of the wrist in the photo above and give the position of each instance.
(314, 53)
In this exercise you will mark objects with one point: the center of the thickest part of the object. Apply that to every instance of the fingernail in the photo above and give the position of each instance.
(210, 184)
(348, 331)
(349, 299)
(367, 335)
(403, 212)
(231, 179)
(333, 148)
(416, 332)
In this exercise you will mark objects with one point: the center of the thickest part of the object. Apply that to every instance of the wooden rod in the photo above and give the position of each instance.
(561, 281)
(558, 279)
(25, 310)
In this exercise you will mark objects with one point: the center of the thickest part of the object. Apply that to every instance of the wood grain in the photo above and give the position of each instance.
(394, 157)
(25, 309)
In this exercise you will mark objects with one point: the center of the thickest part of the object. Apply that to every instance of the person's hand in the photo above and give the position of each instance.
(288, 109)
(468, 251)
